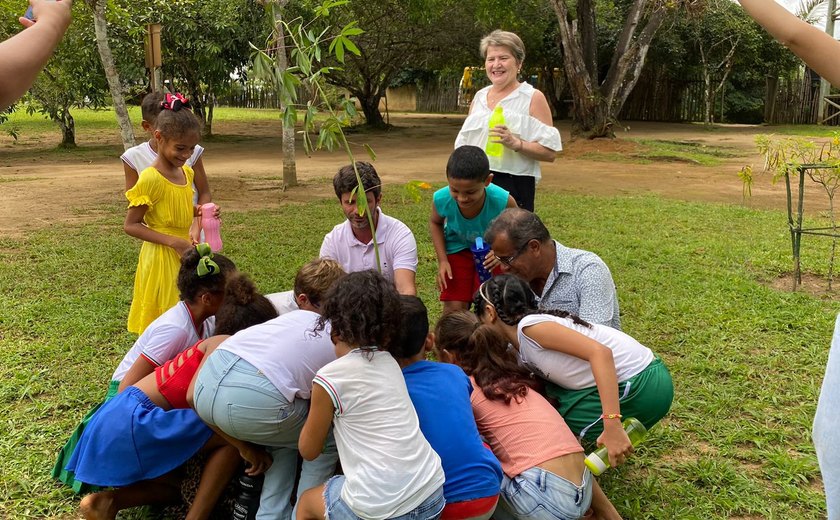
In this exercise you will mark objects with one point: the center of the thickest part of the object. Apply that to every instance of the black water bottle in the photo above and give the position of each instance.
(248, 500)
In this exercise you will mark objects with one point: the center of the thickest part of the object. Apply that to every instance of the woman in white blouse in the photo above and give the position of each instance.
(528, 135)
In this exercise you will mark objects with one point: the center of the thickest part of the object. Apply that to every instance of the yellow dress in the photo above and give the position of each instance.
(170, 212)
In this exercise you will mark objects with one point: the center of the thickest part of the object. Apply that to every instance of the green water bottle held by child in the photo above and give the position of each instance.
(599, 460)
(493, 148)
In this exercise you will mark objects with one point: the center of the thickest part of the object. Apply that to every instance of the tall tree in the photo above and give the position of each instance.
(100, 27)
(72, 78)
(599, 96)
(276, 7)
(205, 42)
(401, 34)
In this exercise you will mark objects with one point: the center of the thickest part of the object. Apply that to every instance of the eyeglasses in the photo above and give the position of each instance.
(507, 260)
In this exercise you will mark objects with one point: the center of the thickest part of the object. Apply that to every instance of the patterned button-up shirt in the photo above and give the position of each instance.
(581, 284)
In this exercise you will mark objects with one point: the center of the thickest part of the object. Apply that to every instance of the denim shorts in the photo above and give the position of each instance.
(337, 509)
(537, 494)
(236, 397)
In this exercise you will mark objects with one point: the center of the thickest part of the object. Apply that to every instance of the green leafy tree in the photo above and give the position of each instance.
(204, 43)
(72, 78)
(399, 35)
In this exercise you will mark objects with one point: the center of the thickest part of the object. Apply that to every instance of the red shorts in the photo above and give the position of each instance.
(464, 282)
(469, 508)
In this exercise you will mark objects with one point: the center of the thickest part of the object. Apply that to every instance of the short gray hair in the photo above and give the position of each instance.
(520, 226)
(507, 39)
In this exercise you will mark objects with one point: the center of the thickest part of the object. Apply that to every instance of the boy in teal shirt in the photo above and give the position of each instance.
(461, 213)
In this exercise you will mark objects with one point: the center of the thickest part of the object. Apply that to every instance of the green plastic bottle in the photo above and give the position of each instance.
(599, 460)
(494, 149)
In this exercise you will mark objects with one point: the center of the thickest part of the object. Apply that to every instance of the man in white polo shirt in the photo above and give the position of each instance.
(351, 242)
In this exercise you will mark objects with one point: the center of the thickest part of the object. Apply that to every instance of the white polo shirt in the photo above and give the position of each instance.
(397, 247)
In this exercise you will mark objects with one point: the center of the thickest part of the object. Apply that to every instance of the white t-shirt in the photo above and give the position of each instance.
(142, 156)
(573, 373)
(166, 337)
(283, 301)
(397, 247)
(517, 109)
(287, 350)
(390, 467)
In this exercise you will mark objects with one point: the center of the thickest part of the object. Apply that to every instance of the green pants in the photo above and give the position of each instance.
(58, 471)
(646, 396)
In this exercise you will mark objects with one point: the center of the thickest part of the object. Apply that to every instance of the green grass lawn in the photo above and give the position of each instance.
(747, 360)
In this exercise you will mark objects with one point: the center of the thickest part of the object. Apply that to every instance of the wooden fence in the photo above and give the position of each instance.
(792, 100)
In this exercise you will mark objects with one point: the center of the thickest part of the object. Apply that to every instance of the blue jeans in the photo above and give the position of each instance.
(826, 433)
(234, 396)
(337, 509)
(537, 494)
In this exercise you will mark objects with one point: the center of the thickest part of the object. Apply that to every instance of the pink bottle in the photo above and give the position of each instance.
(210, 225)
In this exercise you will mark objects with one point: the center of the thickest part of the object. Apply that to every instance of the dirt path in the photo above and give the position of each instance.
(245, 168)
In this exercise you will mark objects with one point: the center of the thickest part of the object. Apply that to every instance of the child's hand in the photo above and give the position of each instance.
(444, 274)
(491, 261)
(617, 442)
(181, 246)
(216, 210)
(195, 230)
(257, 458)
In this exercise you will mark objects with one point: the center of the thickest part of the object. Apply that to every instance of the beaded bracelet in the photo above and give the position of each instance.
(610, 416)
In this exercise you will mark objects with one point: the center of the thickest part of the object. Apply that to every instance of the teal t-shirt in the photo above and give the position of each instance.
(460, 233)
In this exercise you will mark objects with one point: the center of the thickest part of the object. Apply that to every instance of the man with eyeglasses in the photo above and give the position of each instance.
(566, 279)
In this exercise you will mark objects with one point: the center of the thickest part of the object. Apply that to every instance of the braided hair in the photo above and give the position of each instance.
(484, 354)
(513, 299)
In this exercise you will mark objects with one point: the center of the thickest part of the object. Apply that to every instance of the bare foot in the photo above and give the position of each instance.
(99, 506)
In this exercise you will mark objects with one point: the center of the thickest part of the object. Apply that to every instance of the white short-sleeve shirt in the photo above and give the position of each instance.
(390, 467)
(287, 350)
(166, 337)
(397, 247)
(573, 373)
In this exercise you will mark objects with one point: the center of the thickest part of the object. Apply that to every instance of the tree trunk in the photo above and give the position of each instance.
(289, 162)
(208, 123)
(68, 128)
(370, 107)
(597, 105)
(100, 27)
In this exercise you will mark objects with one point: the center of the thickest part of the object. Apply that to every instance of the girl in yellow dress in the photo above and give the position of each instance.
(160, 213)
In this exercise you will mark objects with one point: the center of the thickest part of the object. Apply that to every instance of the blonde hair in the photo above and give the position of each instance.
(316, 277)
(507, 39)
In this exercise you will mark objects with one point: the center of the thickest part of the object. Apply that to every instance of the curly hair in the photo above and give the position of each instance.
(345, 180)
(415, 327)
(484, 354)
(315, 278)
(513, 299)
(363, 309)
(243, 306)
(190, 285)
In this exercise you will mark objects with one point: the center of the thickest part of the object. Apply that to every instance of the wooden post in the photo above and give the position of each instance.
(153, 55)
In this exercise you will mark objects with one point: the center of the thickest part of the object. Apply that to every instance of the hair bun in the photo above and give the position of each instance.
(240, 290)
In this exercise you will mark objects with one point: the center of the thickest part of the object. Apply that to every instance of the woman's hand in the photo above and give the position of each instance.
(616, 440)
(257, 458)
(503, 135)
